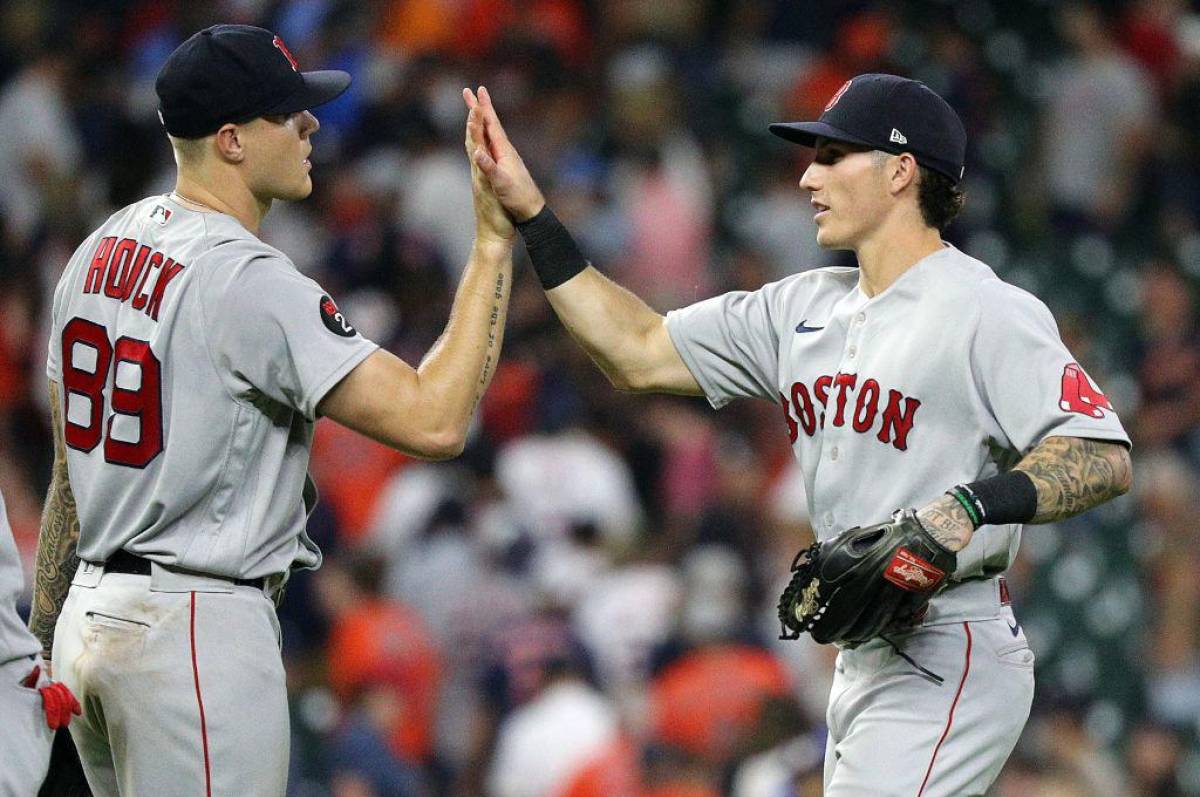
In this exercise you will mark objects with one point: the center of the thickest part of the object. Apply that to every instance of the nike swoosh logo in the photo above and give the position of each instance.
(802, 328)
(1014, 627)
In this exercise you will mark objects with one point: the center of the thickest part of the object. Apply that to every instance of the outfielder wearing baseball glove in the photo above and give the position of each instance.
(865, 582)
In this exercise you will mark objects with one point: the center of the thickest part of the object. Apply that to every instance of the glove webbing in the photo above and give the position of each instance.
(787, 601)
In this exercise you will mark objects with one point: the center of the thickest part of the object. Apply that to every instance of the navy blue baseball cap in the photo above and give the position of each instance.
(235, 73)
(889, 113)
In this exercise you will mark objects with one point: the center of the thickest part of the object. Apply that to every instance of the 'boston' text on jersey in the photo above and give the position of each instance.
(895, 421)
(121, 269)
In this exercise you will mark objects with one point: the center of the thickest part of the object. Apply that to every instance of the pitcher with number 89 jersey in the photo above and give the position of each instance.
(174, 339)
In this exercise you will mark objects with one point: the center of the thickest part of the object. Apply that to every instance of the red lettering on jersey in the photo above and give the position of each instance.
(95, 275)
(867, 406)
(803, 405)
(140, 297)
(118, 268)
(898, 422)
(821, 392)
(139, 263)
(123, 269)
(843, 381)
(793, 430)
(168, 273)
(1079, 395)
(898, 417)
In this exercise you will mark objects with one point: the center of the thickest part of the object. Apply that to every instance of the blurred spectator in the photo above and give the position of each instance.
(40, 150)
(558, 723)
(784, 756)
(1168, 353)
(1074, 751)
(381, 658)
(628, 613)
(710, 701)
(1167, 498)
(1154, 755)
(554, 480)
(363, 762)
(1099, 123)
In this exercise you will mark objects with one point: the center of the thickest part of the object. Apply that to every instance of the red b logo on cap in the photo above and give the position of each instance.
(837, 95)
(278, 42)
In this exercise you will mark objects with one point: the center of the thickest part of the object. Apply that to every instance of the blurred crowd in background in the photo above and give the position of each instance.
(583, 604)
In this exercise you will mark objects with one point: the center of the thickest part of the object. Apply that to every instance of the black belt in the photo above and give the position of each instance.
(125, 562)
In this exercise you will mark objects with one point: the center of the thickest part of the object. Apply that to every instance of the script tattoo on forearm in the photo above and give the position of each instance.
(1074, 474)
(489, 360)
(56, 556)
(947, 522)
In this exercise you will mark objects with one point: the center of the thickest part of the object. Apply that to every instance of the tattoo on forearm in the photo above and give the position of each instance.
(489, 360)
(1074, 474)
(56, 556)
(947, 522)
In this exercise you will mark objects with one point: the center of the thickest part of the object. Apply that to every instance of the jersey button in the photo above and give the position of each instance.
(833, 453)
(828, 520)
(853, 350)
(861, 318)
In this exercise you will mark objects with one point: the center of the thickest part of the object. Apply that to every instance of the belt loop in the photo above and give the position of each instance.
(1005, 598)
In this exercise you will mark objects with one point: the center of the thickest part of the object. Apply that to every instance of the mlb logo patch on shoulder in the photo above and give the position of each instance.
(160, 215)
(910, 572)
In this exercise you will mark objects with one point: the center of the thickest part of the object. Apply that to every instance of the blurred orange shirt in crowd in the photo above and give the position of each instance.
(381, 642)
(350, 471)
(708, 702)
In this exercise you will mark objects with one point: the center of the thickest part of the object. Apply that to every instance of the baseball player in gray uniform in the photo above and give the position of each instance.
(188, 363)
(31, 706)
(917, 380)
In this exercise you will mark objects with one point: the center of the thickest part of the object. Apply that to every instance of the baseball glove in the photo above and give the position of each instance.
(865, 582)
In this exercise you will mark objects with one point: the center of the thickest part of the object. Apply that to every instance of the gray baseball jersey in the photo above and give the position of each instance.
(16, 641)
(191, 358)
(948, 376)
(24, 739)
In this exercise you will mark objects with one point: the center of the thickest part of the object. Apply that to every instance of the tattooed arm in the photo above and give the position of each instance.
(1071, 475)
(1074, 474)
(56, 557)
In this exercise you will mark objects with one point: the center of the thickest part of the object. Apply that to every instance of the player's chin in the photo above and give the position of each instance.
(300, 190)
(829, 239)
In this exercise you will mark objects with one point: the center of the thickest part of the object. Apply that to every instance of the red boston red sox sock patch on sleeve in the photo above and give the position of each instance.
(911, 572)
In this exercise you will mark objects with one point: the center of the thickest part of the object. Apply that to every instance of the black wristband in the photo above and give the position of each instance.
(551, 248)
(1007, 498)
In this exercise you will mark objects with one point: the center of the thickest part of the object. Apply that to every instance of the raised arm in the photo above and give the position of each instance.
(1070, 475)
(626, 338)
(425, 411)
(56, 554)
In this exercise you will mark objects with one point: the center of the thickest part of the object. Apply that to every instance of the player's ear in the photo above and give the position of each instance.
(230, 143)
(902, 171)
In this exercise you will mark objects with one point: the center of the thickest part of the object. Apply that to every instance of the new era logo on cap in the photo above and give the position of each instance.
(897, 137)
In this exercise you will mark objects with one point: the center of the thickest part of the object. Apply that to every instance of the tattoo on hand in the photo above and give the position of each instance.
(947, 522)
(1074, 474)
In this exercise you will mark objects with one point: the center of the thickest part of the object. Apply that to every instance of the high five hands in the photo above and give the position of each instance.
(492, 222)
(493, 154)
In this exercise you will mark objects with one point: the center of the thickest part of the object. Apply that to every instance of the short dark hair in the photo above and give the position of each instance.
(940, 198)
